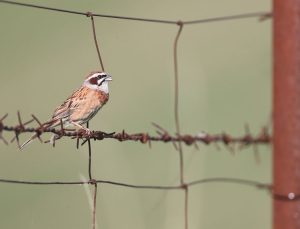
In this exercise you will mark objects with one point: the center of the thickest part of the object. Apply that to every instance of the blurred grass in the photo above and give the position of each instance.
(224, 71)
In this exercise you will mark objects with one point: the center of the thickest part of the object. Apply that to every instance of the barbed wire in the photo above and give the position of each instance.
(162, 135)
(263, 137)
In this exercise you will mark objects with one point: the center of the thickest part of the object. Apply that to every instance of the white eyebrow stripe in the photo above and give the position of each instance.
(94, 75)
(97, 74)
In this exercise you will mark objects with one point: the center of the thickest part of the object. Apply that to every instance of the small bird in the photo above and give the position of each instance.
(81, 106)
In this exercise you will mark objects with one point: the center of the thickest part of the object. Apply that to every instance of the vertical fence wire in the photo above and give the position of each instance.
(176, 101)
(96, 41)
(177, 122)
(89, 140)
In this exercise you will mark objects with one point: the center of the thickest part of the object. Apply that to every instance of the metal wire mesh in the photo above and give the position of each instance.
(163, 135)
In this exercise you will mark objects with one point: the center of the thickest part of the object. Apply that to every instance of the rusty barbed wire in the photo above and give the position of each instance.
(263, 137)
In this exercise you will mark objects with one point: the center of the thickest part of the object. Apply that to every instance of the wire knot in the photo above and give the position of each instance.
(89, 14)
(184, 186)
(93, 181)
(179, 23)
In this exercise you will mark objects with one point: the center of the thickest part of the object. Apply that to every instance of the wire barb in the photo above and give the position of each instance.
(1, 129)
(38, 133)
(19, 129)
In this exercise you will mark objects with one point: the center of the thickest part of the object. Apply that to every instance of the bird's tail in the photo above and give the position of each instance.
(28, 141)
(41, 129)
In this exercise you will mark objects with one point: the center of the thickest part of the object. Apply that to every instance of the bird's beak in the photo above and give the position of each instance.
(108, 78)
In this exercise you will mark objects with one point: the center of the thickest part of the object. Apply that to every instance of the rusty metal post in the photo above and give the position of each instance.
(286, 103)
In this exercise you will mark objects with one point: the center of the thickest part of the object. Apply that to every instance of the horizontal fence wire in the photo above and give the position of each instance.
(260, 15)
(162, 135)
(246, 182)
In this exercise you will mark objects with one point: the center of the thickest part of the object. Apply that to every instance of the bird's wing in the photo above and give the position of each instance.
(79, 107)
(65, 110)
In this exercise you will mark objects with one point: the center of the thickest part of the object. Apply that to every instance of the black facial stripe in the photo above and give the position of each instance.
(101, 82)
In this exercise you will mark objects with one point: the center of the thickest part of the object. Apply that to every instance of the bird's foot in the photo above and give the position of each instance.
(85, 131)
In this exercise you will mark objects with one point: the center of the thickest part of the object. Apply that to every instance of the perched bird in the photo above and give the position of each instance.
(81, 106)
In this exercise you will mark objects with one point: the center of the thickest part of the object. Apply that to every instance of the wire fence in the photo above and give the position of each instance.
(163, 135)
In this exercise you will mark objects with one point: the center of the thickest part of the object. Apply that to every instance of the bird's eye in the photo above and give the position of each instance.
(93, 80)
(101, 76)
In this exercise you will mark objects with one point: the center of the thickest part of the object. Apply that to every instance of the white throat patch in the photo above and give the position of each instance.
(104, 87)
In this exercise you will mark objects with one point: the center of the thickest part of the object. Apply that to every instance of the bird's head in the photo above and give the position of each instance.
(98, 81)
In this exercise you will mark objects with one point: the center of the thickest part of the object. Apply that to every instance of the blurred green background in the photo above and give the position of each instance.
(225, 82)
